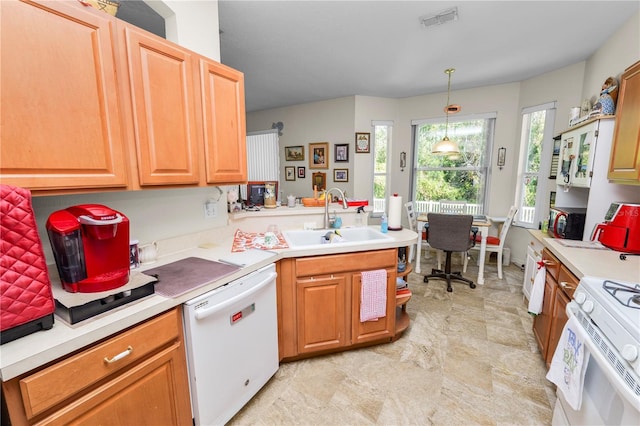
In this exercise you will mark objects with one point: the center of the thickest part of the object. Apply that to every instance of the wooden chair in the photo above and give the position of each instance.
(412, 217)
(496, 245)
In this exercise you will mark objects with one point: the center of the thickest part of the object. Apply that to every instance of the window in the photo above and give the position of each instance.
(381, 147)
(463, 178)
(536, 140)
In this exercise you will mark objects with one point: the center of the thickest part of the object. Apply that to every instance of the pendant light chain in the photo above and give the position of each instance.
(448, 71)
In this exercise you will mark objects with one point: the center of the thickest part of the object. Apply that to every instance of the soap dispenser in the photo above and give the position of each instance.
(359, 216)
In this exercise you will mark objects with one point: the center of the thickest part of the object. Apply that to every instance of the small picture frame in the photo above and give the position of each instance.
(294, 153)
(341, 153)
(319, 155)
(341, 175)
(290, 173)
(302, 172)
(363, 143)
(319, 181)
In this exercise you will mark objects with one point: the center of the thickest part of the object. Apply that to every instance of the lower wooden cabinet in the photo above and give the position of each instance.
(560, 284)
(136, 377)
(319, 303)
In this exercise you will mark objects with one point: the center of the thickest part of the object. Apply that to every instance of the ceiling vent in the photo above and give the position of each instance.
(442, 17)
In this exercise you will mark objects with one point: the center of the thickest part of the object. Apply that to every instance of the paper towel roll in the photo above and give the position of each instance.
(395, 213)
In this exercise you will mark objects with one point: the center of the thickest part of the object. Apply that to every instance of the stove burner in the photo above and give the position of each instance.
(625, 294)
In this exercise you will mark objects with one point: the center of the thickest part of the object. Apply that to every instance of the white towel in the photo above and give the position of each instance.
(537, 292)
(373, 295)
(569, 363)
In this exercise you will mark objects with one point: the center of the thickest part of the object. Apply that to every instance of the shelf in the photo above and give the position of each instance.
(406, 271)
(402, 322)
(402, 299)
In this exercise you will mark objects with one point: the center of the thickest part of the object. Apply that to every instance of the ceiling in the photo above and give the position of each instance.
(294, 52)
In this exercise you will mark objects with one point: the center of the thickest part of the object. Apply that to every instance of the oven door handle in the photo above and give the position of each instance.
(622, 386)
(203, 313)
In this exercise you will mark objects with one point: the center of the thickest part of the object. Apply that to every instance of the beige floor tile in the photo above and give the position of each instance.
(468, 357)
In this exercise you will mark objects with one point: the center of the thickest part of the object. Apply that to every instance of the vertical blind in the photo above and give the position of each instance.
(263, 158)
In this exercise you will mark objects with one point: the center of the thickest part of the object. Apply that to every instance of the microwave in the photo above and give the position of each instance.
(567, 223)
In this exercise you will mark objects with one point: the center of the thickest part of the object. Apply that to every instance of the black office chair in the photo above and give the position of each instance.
(450, 233)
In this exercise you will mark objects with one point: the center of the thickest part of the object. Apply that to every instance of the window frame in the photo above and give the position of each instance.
(387, 173)
(487, 154)
(543, 191)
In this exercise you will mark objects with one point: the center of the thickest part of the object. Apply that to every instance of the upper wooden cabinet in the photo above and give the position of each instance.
(163, 114)
(61, 123)
(90, 102)
(624, 164)
(222, 94)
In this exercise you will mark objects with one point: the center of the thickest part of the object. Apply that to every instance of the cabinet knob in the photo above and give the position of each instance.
(629, 353)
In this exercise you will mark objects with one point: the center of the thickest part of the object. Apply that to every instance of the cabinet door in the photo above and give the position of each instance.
(576, 156)
(542, 321)
(322, 323)
(376, 329)
(558, 319)
(624, 163)
(153, 392)
(163, 108)
(60, 109)
(530, 269)
(222, 90)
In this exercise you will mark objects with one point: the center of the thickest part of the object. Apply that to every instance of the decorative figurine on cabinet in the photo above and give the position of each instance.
(606, 103)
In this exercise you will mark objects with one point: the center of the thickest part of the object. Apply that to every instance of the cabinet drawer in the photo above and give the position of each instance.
(551, 263)
(567, 281)
(336, 263)
(52, 385)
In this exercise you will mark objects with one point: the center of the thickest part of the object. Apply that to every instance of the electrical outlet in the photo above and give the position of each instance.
(209, 209)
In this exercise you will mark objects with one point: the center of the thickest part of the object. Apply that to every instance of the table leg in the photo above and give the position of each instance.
(419, 246)
(484, 231)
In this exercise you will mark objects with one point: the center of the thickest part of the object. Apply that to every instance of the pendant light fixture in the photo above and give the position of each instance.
(446, 146)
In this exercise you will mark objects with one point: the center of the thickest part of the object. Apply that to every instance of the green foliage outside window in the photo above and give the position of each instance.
(446, 178)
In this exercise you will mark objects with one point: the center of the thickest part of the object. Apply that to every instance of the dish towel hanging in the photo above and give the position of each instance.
(537, 290)
(569, 363)
(373, 295)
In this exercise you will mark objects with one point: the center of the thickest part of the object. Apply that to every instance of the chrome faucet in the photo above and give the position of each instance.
(327, 196)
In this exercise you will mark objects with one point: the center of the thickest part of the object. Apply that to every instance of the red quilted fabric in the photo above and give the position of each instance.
(25, 289)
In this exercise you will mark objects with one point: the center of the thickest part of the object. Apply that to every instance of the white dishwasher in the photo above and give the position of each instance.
(232, 345)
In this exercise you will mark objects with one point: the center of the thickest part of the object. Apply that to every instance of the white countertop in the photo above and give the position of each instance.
(591, 262)
(29, 352)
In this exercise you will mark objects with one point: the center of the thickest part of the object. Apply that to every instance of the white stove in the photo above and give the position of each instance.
(609, 313)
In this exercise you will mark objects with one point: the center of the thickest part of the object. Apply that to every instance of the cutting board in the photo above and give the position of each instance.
(187, 274)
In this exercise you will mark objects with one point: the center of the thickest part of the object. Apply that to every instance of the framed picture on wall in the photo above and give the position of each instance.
(290, 173)
(341, 154)
(319, 155)
(319, 181)
(294, 153)
(363, 142)
(302, 172)
(341, 175)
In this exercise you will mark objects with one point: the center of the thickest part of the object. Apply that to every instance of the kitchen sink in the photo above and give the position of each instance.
(349, 236)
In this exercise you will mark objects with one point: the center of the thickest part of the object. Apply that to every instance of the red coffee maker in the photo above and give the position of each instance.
(90, 244)
(621, 230)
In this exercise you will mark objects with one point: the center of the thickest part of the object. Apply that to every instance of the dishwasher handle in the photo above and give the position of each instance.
(203, 313)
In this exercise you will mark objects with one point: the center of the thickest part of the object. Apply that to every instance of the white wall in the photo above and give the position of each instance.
(370, 109)
(329, 121)
(192, 24)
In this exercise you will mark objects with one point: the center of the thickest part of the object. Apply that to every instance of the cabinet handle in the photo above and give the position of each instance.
(566, 285)
(118, 357)
(549, 262)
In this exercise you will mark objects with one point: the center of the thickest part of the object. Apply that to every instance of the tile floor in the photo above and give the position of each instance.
(468, 357)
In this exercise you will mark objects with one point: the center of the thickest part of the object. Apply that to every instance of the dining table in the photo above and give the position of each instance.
(483, 224)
